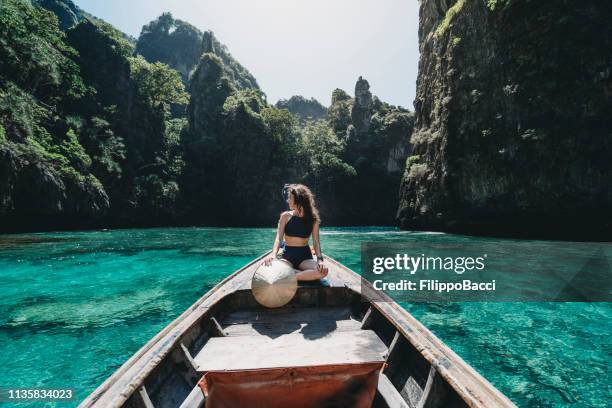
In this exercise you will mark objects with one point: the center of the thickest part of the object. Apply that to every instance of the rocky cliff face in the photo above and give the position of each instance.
(34, 194)
(45, 178)
(173, 42)
(140, 124)
(85, 133)
(513, 119)
(237, 151)
(109, 72)
(180, 45)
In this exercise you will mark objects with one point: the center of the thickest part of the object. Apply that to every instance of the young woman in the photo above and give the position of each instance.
(295, 227)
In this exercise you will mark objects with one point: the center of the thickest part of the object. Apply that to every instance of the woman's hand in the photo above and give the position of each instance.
(268, 260)
(322, 268)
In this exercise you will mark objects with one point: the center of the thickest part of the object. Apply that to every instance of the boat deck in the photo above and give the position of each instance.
(259, 339)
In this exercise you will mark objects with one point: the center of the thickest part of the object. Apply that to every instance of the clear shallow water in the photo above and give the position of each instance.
(76, 305)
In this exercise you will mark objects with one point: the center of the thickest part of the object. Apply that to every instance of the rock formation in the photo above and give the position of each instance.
(180, 45)
(376, 139)
(361, 112)
(304, 109)
(513, 119)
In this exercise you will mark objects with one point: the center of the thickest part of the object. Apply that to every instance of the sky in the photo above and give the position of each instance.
(298, 47)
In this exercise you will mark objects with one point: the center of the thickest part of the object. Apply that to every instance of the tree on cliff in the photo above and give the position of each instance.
(304, 109)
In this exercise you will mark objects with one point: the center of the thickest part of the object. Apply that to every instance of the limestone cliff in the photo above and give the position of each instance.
(376, 139)
(180, 45)
(362, 109)
(237, 151)
(513, 126)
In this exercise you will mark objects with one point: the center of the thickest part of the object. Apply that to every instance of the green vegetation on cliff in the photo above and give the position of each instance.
(95, 130)
(180, 45)
(79, 115)
(42, 160)
(238, 146)
(238, 150)
(376, 139)
(304, 109)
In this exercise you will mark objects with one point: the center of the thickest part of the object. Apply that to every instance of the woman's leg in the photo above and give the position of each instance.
(309, 271)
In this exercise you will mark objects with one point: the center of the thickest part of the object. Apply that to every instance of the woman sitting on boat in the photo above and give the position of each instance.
(295, 227)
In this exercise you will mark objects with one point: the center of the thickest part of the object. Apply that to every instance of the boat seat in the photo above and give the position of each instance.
(237, 353)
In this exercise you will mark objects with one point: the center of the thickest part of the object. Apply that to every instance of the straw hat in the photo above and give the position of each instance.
(274, 285)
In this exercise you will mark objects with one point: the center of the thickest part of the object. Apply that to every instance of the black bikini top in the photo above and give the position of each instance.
(296, 227)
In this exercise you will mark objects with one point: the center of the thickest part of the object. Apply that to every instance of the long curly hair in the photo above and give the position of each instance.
(305, 200)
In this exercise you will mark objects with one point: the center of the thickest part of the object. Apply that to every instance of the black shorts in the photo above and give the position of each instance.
(296, 255)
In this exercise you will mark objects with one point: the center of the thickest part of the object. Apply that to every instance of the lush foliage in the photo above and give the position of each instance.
(323, 149)
(39, 80)
(34, 55)
(450, 14)
(84, 124)
(93, 127)
(157, 84)
(375, 138)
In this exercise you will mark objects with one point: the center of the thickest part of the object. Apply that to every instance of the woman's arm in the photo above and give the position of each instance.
(280, 232)
(317, 242)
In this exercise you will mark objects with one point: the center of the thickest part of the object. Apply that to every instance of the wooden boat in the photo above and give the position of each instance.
(331, 343)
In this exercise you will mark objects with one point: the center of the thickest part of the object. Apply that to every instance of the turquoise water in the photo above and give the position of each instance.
(76, 305)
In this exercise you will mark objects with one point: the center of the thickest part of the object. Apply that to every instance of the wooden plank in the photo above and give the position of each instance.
(392, 346)
(390, 395)
(217, 327)
(428, 386)
(188, 358)
(367, 319)
(291, 350)
(195, 399)
(143, 398)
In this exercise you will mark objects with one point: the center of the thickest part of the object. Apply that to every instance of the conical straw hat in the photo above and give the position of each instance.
(274, 285)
